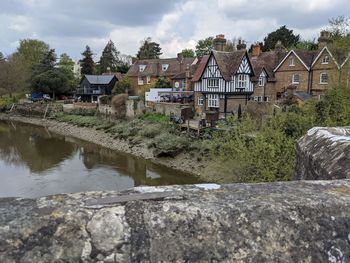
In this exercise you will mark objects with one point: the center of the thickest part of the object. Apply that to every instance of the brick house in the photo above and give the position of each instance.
(263, 64)
(178, 70)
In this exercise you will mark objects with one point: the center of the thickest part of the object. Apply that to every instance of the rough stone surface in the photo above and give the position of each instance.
(303, 221)
(323, 154)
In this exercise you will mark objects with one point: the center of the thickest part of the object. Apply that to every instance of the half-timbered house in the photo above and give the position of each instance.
(223, 81)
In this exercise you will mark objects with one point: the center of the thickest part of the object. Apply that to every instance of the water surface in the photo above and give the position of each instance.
(35, 162)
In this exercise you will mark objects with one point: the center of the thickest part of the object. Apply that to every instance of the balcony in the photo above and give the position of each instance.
(89, 91)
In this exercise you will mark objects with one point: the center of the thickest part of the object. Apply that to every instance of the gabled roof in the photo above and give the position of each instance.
(305, 57)
(320, 53)
(267, 61)
(228, 63)
(154, 67)
(99, 79)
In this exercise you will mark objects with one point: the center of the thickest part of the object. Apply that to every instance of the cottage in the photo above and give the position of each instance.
(223, 81)
(93, 86)
(178, 70)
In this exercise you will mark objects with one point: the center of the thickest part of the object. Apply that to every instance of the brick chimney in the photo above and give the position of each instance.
(241, 45)
(219, 42)
(256, 50)
(324, 39)
(180, 59)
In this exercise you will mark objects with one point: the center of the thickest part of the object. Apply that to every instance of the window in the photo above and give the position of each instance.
(213, 83)
(140, 80)
(142, 68)
(165, 67)
(200, 101)
(262, 81)
(323, 78)
(213, 101)
(242, 81)
(148, 79)
(267, 99)
(291, 62)
(325, 60)
(295, 79)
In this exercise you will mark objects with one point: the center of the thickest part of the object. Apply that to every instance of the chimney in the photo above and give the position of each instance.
(188, 76)
(180, 59)
(279, 47)
(219, 42)
(324, 39)
(256, 50)
(241, 45)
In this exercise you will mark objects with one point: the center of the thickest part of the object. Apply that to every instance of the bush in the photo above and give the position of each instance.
(154, 117)
(169, 145)
(83, 112)
(151, 131)
(105, 100)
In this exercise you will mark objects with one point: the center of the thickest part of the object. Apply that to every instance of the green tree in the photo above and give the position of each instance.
(204, 46)
(339, 27)
(124, 63)
(149, 49)
(122, 86)
(283, 34)
(188, 53)
(2, 58)
(32, 51)
(109, 59)
(306, 45)
(87, 62)
(14, 75)
(48, 78)
(66, 64)
(162, 83)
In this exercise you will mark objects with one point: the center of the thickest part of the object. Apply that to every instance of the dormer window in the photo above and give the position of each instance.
(165, 67)
(291, 62)
(142, 68)
(325, 60)
(262, 80)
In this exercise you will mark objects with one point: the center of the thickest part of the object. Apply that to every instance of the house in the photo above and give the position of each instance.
(263, 64)
(178, 70)
(91, 87)
(223, 80)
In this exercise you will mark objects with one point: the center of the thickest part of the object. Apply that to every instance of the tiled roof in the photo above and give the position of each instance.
(154, 67)
(307, 56)
(228, 63)
(99, 79)
(268, 61)
(302, 95)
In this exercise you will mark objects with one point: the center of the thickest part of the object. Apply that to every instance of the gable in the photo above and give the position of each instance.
(324, 52)
(212, 69)
(263, 73)
(286, 59)
(244, 67)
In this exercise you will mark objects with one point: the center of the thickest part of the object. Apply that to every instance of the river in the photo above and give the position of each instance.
(35, 162)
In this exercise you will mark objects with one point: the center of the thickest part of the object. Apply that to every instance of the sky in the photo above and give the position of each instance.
(70, 25)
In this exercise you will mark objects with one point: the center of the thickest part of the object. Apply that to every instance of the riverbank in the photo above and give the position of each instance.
(185, 161)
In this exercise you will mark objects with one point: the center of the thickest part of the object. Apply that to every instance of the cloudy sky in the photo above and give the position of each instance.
(69, 25)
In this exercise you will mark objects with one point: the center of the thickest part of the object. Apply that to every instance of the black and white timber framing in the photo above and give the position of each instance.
(237, 85)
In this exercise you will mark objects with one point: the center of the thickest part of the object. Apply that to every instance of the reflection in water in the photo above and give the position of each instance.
(35, 162)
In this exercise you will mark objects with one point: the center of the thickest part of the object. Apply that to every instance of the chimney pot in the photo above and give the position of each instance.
(256, 50)
(219, 42)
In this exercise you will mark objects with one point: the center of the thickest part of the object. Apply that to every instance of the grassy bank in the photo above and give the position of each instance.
(152, 130)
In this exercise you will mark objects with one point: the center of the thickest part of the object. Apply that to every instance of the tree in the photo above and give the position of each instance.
(32, 51)
(66, 64)
(2, 58)
(188, 53)
(122, 86)
(109, 59)
(48, 78)
(87, 62)
(14, 75)
(149, 50)
(124, 63)
(230, 46)
(283, 34)
(306, 45)
(162, 83)
(339, 27)
(204, 46)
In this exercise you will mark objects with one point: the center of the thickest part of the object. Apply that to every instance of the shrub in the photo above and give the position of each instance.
(154, 117)
(151, 131)
(169, 145)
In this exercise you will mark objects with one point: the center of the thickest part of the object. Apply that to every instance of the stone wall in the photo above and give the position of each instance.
(323, 154)
(201, 223)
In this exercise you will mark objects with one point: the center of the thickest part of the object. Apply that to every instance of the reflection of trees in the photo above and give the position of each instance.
(32, 146)
(142, 171)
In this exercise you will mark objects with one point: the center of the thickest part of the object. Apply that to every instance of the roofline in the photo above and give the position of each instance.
(320, 53)
(283, 60)
(346, 60)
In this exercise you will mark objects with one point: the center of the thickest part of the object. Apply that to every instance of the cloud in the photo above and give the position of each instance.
(69, 25)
